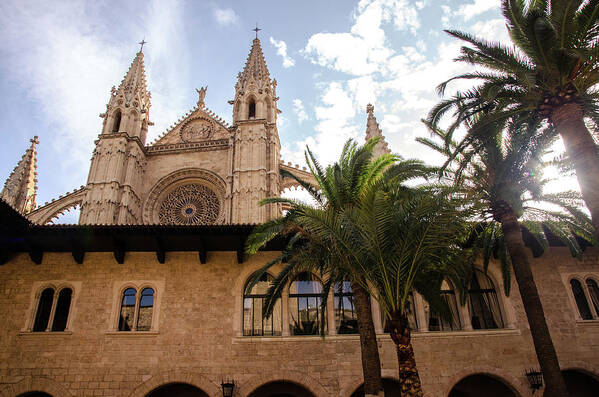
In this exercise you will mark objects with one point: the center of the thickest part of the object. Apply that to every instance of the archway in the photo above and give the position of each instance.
(281, 389)
(482, 385)
(177, 390)
(391, 387)
(35, 394)
(580, 384)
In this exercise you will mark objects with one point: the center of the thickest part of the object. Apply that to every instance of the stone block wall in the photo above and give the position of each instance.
(196, 332)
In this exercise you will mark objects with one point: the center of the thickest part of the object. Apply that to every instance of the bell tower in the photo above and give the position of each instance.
(256, 148)
(119, 159)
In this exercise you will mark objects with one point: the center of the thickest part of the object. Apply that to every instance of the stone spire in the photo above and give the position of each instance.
(255, 70)
(134, 82)
(373, 130)
(21, 186)
(128, 108)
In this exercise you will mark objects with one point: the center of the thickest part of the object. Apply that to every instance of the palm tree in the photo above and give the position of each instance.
(385, 237)
(404, 239)
(551, 74)
(339, 186)
(500, 174)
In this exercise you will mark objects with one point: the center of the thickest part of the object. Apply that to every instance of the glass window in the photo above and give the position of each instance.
(435, 321)
(44, 308)
(581, 300)
(253, 323)
(594, 294)
(483, 303)
(146, 307)
(127, 310)
(61, 315)
(305, 299)
(346, 320)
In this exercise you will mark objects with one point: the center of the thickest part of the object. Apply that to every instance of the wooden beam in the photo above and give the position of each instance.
(201, 250)
(77, 251)
(118, 250)
(241, 248)
(160, 251)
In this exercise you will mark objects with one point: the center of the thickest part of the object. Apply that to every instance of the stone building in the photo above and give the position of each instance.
(145, 297)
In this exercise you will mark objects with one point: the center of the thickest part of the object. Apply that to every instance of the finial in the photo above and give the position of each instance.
(256, 29)
(142, 42)
(369, 108)
(35, 140)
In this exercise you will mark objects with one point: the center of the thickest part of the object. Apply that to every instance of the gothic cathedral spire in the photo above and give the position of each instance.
(21, 186)
(373, 130)
(255, 167)
(128, 108)
(114, 183)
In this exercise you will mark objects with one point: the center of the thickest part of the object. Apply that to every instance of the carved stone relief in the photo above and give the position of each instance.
(197, 130)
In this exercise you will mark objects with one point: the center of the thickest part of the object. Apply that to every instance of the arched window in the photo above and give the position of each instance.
(581, 300)
(137, 310)
(61, 314)
(305, 299)
(346, 320)
(483, 303)
(436, 322)
(52, 311)
(44, 308)
(412, 320)
(594, 294)
(126, 319)
(117, 121)
(253, 322)
(252, 109)
(145, 309)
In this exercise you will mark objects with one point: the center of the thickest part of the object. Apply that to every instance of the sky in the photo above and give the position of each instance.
(59, 60)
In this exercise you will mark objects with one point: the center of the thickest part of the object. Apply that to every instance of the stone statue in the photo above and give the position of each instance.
(201, 95)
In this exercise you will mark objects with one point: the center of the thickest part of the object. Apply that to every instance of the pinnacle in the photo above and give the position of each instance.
(21, 186)
(255, 65)
(373, 130)
(135, 78)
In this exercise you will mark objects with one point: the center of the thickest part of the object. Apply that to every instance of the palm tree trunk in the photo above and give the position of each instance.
(371, 363)
(554, 381)
(409, 380)
(582, 151)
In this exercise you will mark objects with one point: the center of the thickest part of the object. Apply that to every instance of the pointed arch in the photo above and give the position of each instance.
(116, 121)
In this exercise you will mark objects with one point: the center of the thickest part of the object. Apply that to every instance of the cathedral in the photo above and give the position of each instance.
(146, 297)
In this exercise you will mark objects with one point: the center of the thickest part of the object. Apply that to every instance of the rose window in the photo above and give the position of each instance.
(189, 205)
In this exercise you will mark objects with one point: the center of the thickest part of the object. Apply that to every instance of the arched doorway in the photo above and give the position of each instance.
(177, 390)
(281, 389)
(581, 384)
(482, 385)
(391, 387)
(35, 394)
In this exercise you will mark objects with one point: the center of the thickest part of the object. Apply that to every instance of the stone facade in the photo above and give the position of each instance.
(196, 334)
(205, 171)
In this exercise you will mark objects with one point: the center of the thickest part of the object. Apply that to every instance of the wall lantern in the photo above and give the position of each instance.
(535, 379)
(228, 387)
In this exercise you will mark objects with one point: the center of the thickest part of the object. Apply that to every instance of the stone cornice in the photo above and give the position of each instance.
(219, 144)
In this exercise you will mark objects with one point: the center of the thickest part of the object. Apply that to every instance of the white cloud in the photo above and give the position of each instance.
(468, 11)
(300, 111)
(225, 16)
(282, 51)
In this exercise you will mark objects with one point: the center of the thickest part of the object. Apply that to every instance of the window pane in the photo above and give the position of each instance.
(305, 298)
(146, 307)
(581, 300)
(127, 310)
(436, 322)
(345, 313)
(594, 293)
(61, 314)
(253, 323)
(44, 308)
(483, 303)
